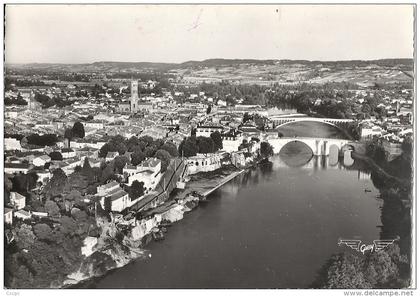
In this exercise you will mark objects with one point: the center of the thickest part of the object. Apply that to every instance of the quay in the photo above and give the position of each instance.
(222, 182)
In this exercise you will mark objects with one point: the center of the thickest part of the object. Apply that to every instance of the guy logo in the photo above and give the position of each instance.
(356, 245)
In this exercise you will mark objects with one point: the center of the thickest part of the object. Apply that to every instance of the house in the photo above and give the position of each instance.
(12, 168)
(155, 132)
(105, 189)
(93, 162)
(22, 214)
(12, 144)
(129, 170)
(41, 160)
(148, 177)
(368, 131)
(123, 107)
(203, 163)
(17, 200)
(94, 125)
(8, 215)
(111, 156)
(206, 130)
(221, 103)
(231, 140)
(118, 198)
(238, 159)
(88, 245)
(68, 153)
(152, 164)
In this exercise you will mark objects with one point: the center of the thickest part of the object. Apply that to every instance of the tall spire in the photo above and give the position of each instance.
(134, 95)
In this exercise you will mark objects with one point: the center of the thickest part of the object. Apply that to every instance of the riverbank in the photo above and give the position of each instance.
(375, 166)
(153, 222)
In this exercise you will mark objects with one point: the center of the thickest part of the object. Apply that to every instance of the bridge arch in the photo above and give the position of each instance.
(290, 121)
(294, 141)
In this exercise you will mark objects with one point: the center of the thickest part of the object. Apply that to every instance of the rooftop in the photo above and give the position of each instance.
(110, 185)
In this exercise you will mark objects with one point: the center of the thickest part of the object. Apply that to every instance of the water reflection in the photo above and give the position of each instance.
(298, 155)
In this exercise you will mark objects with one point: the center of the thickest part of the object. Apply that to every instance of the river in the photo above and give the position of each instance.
(271, 227)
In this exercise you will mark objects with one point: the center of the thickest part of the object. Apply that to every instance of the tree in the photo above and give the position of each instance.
(407, 148)
(120, 162)
(146, 139)
(247, 117)
(165, 158)
(193, 132)
(56, 184)
(137, 156)
(217, 139)
(170, 148)
(205, 145)
(188, 147)
(56, 156)
(42, 140)
(121, 148)
(107, 173)
(132, 143)
(266, 150)
(103, 151)
(25, 237)
(366, 108)
(150, 151)
(78, 130)
(52, 208)
(343, 271)
(136, 190)
(68, 134)
(22, 183)
(86, 169)
(42, 231)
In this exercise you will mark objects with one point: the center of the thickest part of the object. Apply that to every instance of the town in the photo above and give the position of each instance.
(94, 155)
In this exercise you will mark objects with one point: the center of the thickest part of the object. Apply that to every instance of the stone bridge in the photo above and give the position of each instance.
(280, 121)
(319, 146)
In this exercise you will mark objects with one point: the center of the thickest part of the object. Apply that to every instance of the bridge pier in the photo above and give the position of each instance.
(326, 148)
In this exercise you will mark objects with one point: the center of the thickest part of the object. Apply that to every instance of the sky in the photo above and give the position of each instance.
(179, 33)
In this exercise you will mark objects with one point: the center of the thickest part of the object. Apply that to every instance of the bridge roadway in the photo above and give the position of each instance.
(319, 146)
(281, 120)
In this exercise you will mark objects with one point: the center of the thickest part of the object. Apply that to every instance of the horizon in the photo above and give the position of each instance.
(80, 34)
(209, 59)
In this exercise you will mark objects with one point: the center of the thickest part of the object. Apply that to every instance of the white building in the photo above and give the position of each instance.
(12, 168)
(88, 245)
(8, 215)
(206, 130)
(12, 144)
(22, 214)
(41, 160)
(119, 200)
(152, 164)
(68, 153)
(204, 163)
(148, 177)
(105, 189)
(231, 141)
(370, 131)
(17, 200)
(94, 125)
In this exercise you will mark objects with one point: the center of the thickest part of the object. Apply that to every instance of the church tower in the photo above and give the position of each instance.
(134, 95)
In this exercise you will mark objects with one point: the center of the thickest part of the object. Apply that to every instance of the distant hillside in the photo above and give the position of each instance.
(110, 66)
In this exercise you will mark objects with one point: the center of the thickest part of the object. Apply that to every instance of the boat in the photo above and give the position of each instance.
(367, 191)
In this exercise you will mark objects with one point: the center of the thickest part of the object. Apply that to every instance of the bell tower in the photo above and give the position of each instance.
(134, 95)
